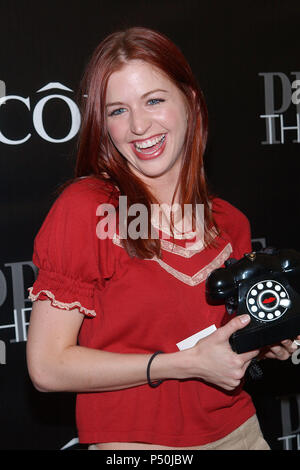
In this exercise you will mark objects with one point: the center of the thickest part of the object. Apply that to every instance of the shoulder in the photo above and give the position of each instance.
(87, 191)
(225, 210)
(233, 225)
(227, 215)
(75, 208)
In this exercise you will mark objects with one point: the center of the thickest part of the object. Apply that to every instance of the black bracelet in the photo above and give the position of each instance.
(153, 385)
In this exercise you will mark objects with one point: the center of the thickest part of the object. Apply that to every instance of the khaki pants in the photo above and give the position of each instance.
(247, 437)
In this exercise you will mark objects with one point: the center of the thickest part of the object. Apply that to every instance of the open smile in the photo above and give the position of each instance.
(149, 148)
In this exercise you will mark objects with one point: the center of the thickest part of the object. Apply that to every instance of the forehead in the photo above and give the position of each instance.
(137, 77)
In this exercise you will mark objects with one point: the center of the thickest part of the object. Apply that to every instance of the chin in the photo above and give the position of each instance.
(154, 173)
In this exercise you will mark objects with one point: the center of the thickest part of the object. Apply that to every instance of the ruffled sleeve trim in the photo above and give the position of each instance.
(63, 292)
(47, 295)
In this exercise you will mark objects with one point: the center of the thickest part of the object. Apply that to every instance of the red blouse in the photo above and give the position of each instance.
(139, 306)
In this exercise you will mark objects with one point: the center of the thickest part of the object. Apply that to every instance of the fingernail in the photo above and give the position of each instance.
(244, 318)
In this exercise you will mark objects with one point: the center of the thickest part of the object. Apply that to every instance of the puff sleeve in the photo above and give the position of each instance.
(66, 250)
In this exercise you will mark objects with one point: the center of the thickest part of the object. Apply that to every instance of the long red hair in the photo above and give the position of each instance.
(97, 155)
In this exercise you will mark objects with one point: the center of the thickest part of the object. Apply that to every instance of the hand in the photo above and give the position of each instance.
(215, 361)
(281, 351)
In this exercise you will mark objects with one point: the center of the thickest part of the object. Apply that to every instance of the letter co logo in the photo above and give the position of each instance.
(38, 111)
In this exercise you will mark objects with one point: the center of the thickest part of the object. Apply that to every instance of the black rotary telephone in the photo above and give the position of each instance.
(265, 285)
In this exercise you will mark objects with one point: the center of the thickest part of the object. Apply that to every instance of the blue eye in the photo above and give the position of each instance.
(155, 101)
(117, 112)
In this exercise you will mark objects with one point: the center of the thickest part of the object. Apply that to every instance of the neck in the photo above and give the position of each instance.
(163, 186)
(163, 190)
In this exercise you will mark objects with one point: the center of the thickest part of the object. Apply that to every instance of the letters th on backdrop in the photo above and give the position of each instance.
(246, 62)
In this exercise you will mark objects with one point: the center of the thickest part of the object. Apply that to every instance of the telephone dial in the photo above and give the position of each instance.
(266, 286)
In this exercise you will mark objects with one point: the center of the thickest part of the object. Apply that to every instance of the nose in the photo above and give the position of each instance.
(140, 122)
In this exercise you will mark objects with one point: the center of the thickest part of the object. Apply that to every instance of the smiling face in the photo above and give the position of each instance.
(147, 120)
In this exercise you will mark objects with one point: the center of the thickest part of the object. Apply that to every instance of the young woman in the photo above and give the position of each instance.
(112, 306)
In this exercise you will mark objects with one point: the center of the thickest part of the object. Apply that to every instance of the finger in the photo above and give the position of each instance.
(245, 366)
(248, 356)
(289, 345)
(270, 355)
(280, 352)
(233, 325)
(297, 341)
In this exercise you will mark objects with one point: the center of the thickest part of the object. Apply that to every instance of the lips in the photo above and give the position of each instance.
(148, 149)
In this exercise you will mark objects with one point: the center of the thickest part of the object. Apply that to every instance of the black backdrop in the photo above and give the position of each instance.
(246, 58)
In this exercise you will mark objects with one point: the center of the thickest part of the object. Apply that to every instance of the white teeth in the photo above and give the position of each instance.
(149, 143)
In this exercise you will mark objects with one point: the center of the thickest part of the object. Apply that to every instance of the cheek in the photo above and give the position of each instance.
(174, 114)
(174, 120)
(116, 132)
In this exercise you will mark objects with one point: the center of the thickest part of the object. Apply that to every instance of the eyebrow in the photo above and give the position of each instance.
(143, 96)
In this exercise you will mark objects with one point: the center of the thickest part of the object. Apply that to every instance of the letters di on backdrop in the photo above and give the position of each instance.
(290, 92)
(252, 88)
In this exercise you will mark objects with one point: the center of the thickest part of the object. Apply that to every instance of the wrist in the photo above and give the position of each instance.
(185, 364)
(150, 383)
(171, 366)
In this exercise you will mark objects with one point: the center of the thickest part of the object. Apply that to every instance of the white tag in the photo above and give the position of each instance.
(192, 340)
